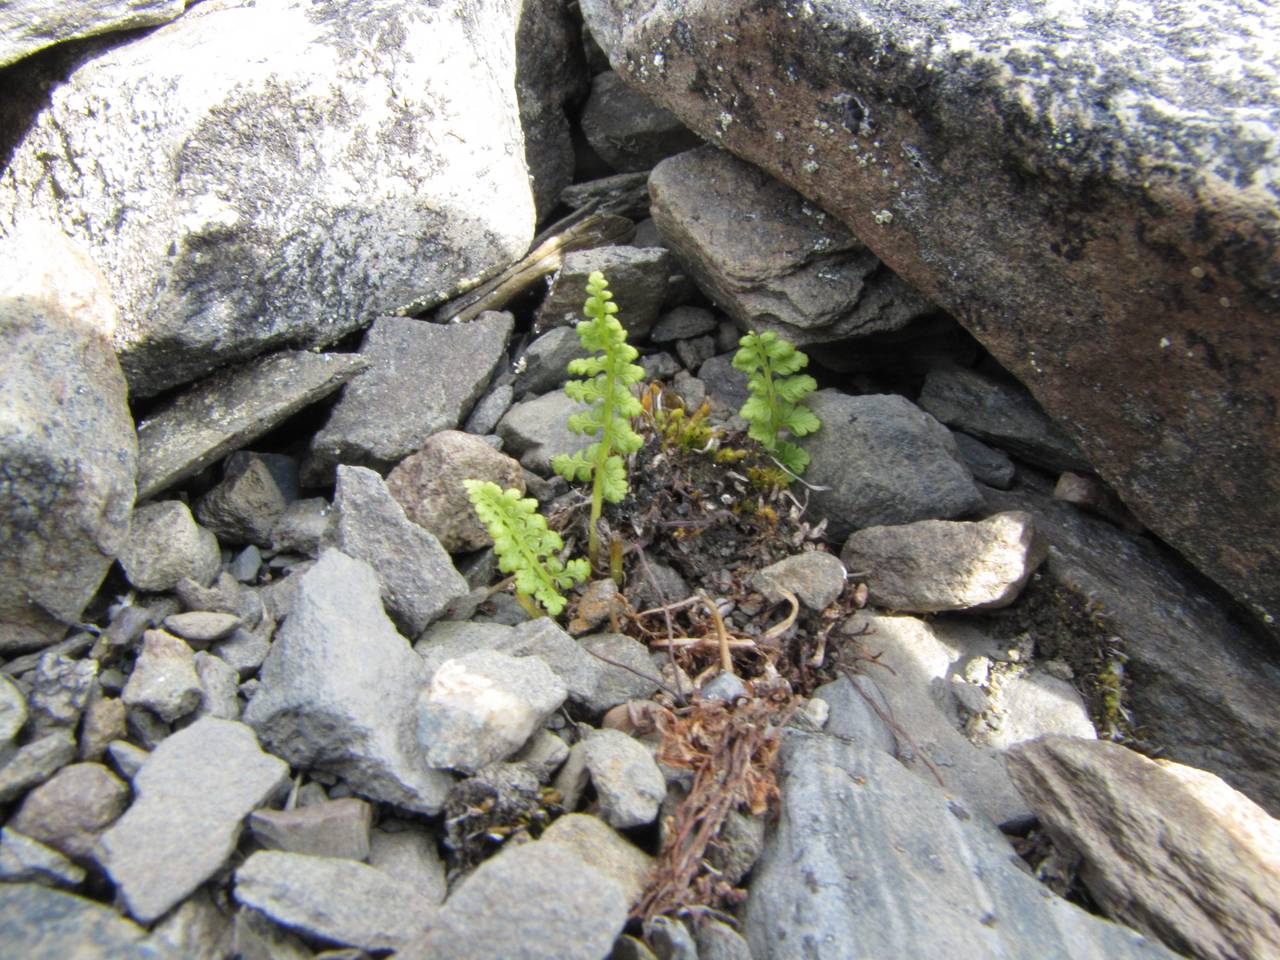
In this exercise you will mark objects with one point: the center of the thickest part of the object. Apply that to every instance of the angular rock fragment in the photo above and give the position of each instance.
(386, 414)
(336, 828)
(627, 129)
(604, 849)
(192, 795)
(409, 853)
(35, 763)
(38, 922)
(637, 278)
(1167, 848)
(29, 26)
(882, 460)
(628, 784)
(335, 900)
(815, 577)
(167, 545)
(935, 565)
(25, 860)
(417, 577)
(164, 678)
(483, 707)
(339, 686)
(536, 430)
(60, 691)
(70, 810)
(256, 489)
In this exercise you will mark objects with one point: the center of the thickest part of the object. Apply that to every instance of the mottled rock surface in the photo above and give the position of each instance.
(38, 922)
(28, 26)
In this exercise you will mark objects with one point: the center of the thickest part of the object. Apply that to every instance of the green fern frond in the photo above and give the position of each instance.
(775, 405)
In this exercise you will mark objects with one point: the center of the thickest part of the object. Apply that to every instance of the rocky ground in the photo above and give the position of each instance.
(941, 696)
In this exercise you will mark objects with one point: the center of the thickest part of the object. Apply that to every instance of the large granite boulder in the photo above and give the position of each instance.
(67, 440)
(255, 175)
(1086, 190)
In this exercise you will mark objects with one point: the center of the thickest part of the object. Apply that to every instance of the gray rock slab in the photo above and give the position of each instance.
(273, 195)
(930, 879)
(1206, 685)
(543, 366)
(604, 849)
(13, 712)
(537, 901)
(484, 416)
(35, 762)
(922, 657)
(484, 706)
(885, 461)
(219, 687)
(335, 900)
(38, 922)
(627, 129)
(387, 412)
(623, 194)
(428, 486)
(29, 26)
(192, 795)
(1167, 848)
(164, 678)
(302, 527)
(769, 258)
(936, 565)
(410, 853)
(1003, 414)
(197, 929)
(70, 810)
(624, 671)
(202, 627)
(988, 465)
(629, 786)
(683, 323)
(1030, 705)
(25, 860)
(66, 435)
(851, 716)
(339, 687)
(167, 545)
(232, 409)
(417, 577)
(637, 278)
(536, 430)
(816, 578)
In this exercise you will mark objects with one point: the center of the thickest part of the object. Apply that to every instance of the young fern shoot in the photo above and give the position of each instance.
(526, 547)
(777, 395)
(606, 389)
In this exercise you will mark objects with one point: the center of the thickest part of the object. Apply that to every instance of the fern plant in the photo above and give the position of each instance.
(526, 547)
(605, 387)
(777, 394)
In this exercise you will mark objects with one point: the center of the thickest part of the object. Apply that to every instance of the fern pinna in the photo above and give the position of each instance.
(775, 404)
(525, 546)
(606, 389)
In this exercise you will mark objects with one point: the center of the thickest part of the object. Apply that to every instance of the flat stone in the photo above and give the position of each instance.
(1168, 849)
(417, 578)
(339, 687)
(850, 713)
(637, 279)
(231, 409)
(936, 565)
(191, 797)
(332, 899)
(629, 786)
(544, 364)
(254, 937)
(385, 414)
(69, 811)
(127, 758)
(988, 465)
(627, 129)
(66, 433)
(36, 762)
(815, 577)
(164, 678)
(202, 627)
(411, 854)
(769, 258)
(226, 595)
(884, 461)
(623, 194)
(537, 901)
(604, 849)
(13, 712)
(1003, 414)
(38, 922)
(302, 527)
(197, 929)
(428, 486)
(104, 721)
(483, 707)
(337, 828)
(1033, 704)
(682, 323)
(25, 860)
(485, 415)
(947, 877)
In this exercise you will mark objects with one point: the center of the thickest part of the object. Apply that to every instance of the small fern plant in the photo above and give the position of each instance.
(606, 388)
(526, 547)
(776, 404)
